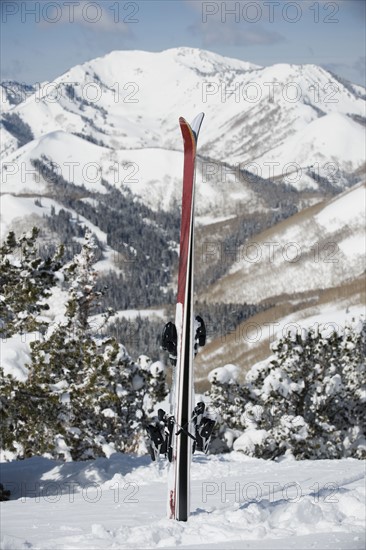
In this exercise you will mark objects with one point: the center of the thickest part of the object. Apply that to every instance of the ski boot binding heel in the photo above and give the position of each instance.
(169, 338)
(169, 341)
(160, 436)
(200, 334)
(203, 427)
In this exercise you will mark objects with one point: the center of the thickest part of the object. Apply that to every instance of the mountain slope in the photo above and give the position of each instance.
(117, 102)
(309, 265)
(100, 147)
(328, 145)
(318, 248)
(12, 93)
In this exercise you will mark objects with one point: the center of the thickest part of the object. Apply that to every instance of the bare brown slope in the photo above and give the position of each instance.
(250, 341)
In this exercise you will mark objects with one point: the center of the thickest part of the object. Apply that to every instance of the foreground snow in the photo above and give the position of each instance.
(237, 502)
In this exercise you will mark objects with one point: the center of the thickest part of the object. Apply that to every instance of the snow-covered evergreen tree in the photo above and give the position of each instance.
(155, 382)
(308, 400)
(311, 394)
(143, 385)
(74, 365)
(25, 282)
(227, 398)
(84, 396)
(353, 360)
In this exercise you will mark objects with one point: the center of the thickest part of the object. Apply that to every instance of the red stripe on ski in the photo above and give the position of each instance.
(185, 229)
(172, 504)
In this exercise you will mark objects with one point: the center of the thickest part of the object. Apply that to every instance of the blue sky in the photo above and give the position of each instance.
(42, 39)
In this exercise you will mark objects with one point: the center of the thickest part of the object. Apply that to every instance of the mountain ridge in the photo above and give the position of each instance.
(104, 135)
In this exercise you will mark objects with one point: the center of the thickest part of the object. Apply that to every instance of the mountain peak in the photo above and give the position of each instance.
(197, 57)
(131, 99)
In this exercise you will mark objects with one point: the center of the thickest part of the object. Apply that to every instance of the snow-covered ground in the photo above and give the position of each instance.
(237, 502)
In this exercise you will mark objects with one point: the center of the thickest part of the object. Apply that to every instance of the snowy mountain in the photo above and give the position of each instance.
(100, 147)
(255, 116)
(12, 93)
(294, 124)
(321, 247)
(306, 269)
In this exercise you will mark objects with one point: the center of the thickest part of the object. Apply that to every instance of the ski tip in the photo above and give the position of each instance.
(195, 124)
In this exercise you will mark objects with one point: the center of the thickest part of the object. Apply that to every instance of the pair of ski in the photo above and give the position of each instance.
(186, 428)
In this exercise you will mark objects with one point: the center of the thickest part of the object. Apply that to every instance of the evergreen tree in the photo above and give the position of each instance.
(84, 396)
(25, 283)
(312, 394)
(142, 386)
(155, 382)
(227, 397)
(353, 360)
(308, 400)
(73, 364)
